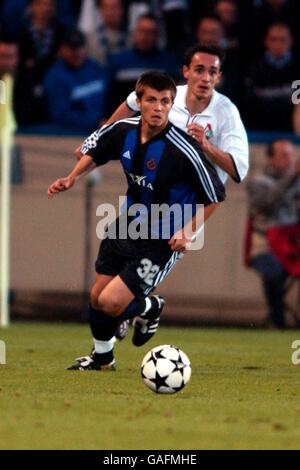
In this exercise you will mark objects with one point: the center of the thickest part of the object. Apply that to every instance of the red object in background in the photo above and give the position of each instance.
(285, 244)
(247, 243)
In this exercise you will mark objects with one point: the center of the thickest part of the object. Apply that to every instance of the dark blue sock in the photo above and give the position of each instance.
(135, 308)
(102, 326)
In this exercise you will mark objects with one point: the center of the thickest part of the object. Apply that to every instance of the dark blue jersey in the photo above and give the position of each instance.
(168, 169)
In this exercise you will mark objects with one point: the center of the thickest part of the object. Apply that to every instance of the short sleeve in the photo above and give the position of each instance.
(103, 144)
(233, 140)
(131, 102)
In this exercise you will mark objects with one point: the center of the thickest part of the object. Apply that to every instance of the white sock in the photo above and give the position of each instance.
(102, 347)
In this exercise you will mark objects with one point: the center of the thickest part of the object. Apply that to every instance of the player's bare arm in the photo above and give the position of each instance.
(220, 158)
(181, 241)
(122, 112)
(82, 168)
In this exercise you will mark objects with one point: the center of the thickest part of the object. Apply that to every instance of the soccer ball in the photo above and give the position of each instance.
(166, 369)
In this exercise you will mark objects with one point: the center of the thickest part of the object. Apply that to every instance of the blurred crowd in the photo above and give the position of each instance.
(74, 61)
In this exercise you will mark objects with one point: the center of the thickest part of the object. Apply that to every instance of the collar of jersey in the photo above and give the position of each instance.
(180, 101)
(156, 137)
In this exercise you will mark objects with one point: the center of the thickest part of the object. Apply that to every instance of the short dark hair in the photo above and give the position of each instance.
(32, 1)
(73, 38)
(278, 24)
(159, 81)
(233, 2)
(211, 17)
(270, 150)
(8, 39)
(147, 16)
(210, 49)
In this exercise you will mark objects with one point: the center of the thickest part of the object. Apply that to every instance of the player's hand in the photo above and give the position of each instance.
(62, 184)
(180, 242)
(198, 133)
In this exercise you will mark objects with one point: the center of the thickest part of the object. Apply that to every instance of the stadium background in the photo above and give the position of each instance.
(52, 252)
(244, 388)
(49, 266)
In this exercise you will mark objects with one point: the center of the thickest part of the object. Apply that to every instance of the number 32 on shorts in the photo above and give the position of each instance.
(148, 271)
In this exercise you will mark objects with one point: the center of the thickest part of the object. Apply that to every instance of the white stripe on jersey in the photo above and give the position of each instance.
(91, 141)
(134, 120)
(180, 142)
(197, 160)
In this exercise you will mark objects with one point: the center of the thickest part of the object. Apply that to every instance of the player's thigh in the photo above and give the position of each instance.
(115, 297)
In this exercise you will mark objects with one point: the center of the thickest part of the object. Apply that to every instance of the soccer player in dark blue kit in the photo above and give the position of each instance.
(163, 166)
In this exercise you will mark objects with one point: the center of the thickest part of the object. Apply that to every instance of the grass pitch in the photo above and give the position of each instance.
(244, 393)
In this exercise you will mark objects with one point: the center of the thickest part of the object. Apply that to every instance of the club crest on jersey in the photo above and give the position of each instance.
(141, 181)
(209, 132)
(151, 164)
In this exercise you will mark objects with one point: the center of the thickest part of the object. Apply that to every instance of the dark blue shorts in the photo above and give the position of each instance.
(141, 264)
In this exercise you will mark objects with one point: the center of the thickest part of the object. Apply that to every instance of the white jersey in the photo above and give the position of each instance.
(222, 122)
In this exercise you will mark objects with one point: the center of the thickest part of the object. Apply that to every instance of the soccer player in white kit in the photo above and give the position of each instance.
(210, 117)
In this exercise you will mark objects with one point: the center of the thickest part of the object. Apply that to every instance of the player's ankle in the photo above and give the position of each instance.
(103, 359)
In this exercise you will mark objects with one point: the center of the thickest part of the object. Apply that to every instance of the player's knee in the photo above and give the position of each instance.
(109, 306)
(94, 295)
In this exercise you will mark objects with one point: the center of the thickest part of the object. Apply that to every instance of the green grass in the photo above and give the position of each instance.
(244, 393)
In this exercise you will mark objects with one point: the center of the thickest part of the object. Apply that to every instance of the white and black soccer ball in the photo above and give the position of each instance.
(166, 369)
